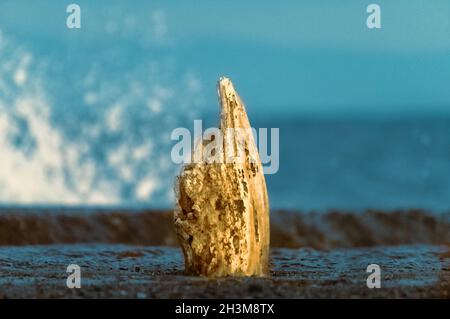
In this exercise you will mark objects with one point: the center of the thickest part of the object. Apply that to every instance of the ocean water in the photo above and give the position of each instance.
(87, 122)
(357, 164)
(81, 131)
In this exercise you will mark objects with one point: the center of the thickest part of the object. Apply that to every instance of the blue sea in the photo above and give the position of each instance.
(86, 115)
(357, 164)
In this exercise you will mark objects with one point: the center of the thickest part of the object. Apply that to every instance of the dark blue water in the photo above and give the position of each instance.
(359, 164)
(86, 122)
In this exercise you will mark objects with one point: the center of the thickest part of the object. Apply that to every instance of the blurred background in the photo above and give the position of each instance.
(364, 115)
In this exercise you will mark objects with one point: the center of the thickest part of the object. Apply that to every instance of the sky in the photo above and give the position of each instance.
(290, 57)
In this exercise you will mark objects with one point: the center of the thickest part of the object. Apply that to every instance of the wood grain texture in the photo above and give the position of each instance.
(222, 211)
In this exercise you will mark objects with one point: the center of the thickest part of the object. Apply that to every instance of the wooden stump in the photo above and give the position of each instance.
(222, 211)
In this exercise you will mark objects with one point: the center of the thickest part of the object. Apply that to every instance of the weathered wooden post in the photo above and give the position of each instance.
(222, 211)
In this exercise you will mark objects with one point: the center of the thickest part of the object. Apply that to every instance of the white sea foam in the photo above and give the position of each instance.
(110, 147)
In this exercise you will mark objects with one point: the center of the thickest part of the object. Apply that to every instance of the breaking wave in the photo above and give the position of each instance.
(93, 133)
